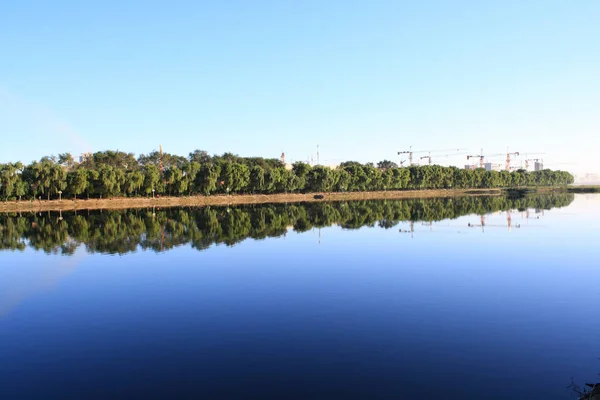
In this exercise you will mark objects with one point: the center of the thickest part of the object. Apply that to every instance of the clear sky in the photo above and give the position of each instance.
(363, 79)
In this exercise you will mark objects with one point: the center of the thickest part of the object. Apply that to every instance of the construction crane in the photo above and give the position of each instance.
(527, 159)
(160, 160)
(508, 154)
(482, 157)
(440, 156)
(410, 153)
(527, 162)
(411, 230)
(482, 223)
(527, 215)
(480, 160)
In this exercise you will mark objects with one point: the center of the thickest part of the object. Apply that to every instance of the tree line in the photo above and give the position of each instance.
(125, 231)
(118, 174)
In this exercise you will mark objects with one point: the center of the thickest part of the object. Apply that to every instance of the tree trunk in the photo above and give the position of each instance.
(48, 196)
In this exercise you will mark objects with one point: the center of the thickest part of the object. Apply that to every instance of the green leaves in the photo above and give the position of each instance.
(111, 180)
(257, 179)
(207, 179)
(77, 181)
(45, 177)
(10, 180)
(134, 180)
(151, 180)
(115, 173)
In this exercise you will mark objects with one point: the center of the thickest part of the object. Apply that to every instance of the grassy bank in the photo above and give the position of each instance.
(140, 202)
(583, 189)
(563, 189)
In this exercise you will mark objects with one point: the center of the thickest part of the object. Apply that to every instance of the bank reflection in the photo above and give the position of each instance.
(125, 231)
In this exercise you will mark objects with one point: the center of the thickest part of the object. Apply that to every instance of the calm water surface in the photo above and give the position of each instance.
(368, 300)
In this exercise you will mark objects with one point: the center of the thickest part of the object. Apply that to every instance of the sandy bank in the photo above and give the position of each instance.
(142, 202)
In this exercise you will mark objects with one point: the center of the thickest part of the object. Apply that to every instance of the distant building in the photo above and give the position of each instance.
(538, 166)
(471, 167)
(492, 167)
(84, 156)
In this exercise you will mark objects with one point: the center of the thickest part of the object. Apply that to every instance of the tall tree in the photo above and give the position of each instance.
(46, 176)
(111, 179)
(301, 170)
(257, 179)
(9, 179)
(151, 179)
(200, 157)
(66, 160)
(77, 181)
(386, 164)
(133, 182)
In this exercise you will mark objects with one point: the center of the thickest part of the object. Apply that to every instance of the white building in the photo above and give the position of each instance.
(84, 156)
(492, 167)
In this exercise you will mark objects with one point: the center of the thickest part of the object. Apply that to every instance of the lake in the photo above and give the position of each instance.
(470, 298)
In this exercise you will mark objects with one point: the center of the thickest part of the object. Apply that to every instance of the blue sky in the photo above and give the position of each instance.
(363, 79)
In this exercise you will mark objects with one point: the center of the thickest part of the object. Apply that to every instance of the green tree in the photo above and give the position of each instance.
(21, 188)
(111, 180)
(190, 172)
(235, 176)
(272, 179)
(10, 176)
(66, 160)
(257, 179)
(176, 182)
(207, 179)
(386, 164)
(134, 180)
(46, 177)
(200, 157)
(322, 179)
(113, 173)
(151, 179)
(94, 186)
(77, 181)
(301, 170)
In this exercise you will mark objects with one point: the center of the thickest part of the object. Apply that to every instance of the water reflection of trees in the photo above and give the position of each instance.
(124, 231)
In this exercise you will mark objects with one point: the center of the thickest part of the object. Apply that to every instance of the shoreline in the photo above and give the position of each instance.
(200, 200)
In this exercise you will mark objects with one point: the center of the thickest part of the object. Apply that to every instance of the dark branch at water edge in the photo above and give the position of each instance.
(520, 192)
(583, 189)
(124, 231)
(591, 391)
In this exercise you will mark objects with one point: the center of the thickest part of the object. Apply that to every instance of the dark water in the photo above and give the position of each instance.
(367, 300)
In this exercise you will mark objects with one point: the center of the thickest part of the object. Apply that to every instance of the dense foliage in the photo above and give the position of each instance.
(123, 231)
(114, 173)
